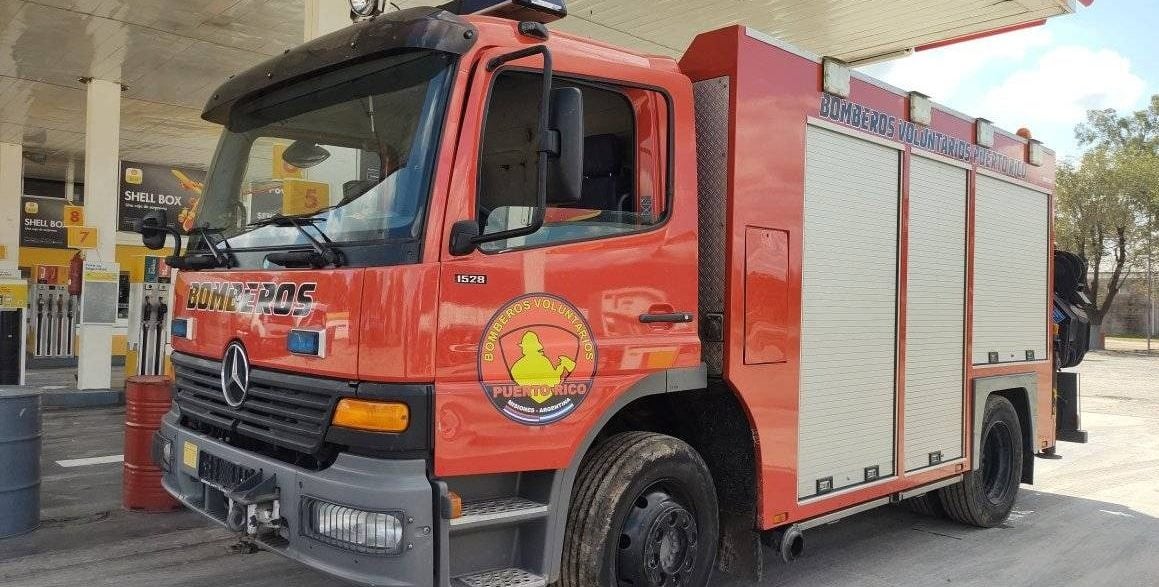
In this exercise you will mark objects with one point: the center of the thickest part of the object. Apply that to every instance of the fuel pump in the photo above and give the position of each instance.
(53, 311)
(161, 312)
(148, 318)
(40, 346)
(47, 308)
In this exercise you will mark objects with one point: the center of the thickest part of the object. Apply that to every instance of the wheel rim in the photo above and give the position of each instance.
(997, 462)
(659, 540)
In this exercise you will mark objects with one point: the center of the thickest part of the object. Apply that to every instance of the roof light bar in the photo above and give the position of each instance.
(541, 11)
(835, 77)
(985, 133)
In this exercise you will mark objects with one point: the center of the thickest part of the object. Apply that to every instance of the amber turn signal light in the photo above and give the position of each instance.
(456, 504)
(372, 416)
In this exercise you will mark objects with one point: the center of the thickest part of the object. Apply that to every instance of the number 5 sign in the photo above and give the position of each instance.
(74, 215)
(82, 237)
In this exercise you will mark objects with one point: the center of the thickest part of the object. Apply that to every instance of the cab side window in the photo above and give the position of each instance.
(609, 204)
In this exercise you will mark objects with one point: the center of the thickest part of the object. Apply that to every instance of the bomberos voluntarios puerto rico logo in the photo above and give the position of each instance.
(537, 359)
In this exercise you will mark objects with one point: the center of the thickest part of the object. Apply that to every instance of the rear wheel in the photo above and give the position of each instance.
(985, 496)
(643, 513)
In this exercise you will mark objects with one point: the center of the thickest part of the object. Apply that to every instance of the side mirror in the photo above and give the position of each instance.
(550, 143)
(464, 233)
(566, 171)
(154, 227)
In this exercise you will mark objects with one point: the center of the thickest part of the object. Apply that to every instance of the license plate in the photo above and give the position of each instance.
(189, 454)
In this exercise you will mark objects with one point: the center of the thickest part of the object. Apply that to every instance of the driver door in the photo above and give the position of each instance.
(539, 335)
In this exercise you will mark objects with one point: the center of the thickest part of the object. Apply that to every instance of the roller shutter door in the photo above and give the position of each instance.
(1010, 269)
(849, 312)
(935, 313)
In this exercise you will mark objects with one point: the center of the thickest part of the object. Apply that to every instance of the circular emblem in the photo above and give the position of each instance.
(235, 375)
(537, 359)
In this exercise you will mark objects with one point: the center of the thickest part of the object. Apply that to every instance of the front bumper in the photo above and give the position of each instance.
(358, 482)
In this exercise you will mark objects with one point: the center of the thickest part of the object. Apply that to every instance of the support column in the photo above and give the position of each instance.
(11, 189)
(102, 166)
(325, 16)
(70, 180)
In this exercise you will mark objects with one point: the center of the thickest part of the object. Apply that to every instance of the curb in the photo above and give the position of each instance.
(89, 398)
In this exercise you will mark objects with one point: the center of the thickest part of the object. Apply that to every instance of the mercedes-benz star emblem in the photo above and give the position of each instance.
(235, 375)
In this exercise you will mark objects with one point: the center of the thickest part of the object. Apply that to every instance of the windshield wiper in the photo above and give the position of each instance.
(196, 261)
(324, 254)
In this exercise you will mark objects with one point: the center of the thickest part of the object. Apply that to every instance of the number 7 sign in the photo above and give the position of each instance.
(82, 237)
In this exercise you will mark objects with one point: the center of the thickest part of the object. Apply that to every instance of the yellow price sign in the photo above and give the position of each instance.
(74, 216)
(3, 252)
(82, 237)
(13, 294)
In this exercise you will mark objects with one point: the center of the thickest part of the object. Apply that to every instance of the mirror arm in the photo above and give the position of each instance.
(546, 143)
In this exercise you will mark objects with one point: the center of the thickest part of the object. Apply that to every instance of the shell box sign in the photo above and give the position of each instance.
(537, 359)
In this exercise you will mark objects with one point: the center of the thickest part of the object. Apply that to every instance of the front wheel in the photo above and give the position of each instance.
(643, 513)
(985, 496)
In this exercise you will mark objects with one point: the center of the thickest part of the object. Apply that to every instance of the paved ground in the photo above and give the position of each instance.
(1092, 518)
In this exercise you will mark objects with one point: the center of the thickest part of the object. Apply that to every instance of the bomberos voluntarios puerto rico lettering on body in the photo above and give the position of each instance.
(848, 113)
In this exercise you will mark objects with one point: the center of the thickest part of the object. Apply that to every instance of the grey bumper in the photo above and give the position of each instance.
(357, 482)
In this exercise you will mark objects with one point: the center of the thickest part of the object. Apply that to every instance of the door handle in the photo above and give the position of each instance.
(668, 318)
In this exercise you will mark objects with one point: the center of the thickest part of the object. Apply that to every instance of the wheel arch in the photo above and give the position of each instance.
(1018, 389)
(654, 405)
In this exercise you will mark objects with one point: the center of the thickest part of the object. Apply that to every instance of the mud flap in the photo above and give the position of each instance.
(1069, 418)
(741, 554)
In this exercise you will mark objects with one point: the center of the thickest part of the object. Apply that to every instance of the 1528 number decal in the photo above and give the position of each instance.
(471, 279)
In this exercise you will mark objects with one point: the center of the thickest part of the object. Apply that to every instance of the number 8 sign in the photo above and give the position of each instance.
(74, 215)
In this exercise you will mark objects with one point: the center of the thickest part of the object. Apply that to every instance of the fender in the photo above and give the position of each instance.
(667, 381)
(1024, 386)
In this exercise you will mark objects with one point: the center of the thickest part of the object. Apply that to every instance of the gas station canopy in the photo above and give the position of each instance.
(170, 54)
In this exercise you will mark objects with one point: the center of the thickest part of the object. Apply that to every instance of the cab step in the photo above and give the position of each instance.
(501, 511)
(500, 578)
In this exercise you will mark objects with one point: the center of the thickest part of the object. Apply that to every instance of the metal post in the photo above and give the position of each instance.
(1150, 281)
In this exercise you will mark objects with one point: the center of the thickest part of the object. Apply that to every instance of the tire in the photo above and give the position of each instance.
(641, 496)
(926, 504)
(985, 496)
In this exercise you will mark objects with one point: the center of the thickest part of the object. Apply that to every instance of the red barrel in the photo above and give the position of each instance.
(147, 399)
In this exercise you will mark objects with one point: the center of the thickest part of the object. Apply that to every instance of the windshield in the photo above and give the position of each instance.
(350, 152)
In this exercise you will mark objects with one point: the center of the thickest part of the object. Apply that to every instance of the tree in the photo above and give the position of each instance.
(1108, 203)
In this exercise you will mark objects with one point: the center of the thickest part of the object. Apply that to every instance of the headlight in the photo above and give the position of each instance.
(162, 452)
(345, 527)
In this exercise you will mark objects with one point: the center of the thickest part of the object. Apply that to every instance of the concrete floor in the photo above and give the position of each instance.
(1092, 518)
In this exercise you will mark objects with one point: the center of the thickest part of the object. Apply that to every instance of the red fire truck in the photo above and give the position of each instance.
(471, 302)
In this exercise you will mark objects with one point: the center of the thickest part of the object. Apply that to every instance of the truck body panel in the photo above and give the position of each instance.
(812, 431)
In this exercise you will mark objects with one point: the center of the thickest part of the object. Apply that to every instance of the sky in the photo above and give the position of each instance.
(1044, 78)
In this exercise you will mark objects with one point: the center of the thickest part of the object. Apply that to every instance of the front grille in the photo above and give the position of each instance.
(283, 410)
(221, 473)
